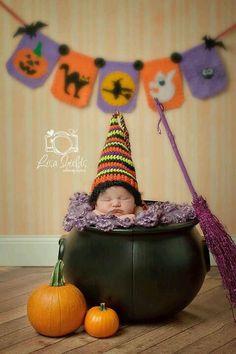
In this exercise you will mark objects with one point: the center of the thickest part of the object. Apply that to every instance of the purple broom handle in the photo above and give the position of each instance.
(160, 109)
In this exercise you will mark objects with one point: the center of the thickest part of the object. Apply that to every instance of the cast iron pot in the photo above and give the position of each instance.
(143, 273)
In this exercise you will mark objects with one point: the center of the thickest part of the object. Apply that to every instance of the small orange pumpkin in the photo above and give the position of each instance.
(30, 62)
(101, 321)
(57, 309)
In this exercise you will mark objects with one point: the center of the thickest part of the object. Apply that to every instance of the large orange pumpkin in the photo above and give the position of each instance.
(56, 309)
(101, 321)
(31, 63)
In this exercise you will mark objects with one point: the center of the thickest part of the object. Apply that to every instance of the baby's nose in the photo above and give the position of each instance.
(115, 202)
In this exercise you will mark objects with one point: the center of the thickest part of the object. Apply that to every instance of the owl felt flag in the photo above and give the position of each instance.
(162, 80)
(74, 78)
(117, 87)
(203, 69)
(33, 60)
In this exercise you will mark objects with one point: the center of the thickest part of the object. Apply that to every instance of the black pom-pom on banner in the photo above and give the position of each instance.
(63, 49)
(138, 65)
(99, 62)
(176, 57)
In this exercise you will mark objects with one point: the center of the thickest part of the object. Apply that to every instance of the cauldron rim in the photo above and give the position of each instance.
(164, 228)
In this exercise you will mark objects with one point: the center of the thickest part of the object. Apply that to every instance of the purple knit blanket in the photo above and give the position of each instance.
(80, 215)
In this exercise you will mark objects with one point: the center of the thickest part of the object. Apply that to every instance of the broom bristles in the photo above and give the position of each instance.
(220, 245)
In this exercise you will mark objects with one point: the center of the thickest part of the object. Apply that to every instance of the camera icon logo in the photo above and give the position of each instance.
(61, 142)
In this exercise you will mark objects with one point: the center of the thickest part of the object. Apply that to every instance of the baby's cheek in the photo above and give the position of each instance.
(130, 207)
(102, 205)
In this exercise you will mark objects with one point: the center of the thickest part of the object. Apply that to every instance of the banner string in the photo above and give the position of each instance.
(230, 29)
(19, 19)
(11, 12)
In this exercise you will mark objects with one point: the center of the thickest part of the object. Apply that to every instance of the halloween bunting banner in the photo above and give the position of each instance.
(36, 55)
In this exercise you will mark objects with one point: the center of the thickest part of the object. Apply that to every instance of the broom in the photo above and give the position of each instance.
(218, 240)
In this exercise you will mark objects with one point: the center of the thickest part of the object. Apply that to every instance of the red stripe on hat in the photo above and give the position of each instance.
(115, 127)
(116, 140)
(109, 165)
(112, 149)
(115, 177)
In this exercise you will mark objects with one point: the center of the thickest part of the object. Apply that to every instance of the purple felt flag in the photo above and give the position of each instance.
(203, 71)
(33, 60)
(117, 87)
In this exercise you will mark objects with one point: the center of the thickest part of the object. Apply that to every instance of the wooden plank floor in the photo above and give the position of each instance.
(205, 326)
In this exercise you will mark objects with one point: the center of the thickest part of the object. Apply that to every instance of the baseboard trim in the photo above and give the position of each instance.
(30, 250)
(34, 250)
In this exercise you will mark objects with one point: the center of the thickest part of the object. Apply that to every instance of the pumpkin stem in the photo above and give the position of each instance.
(103, 306)
(57, 278)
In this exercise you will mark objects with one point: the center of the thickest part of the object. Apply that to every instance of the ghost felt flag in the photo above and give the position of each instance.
(117, 87)
(33, 60)
(74, 79)
(162, 80)
(203, 71)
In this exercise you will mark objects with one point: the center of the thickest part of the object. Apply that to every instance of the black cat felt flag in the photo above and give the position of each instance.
(74, 79)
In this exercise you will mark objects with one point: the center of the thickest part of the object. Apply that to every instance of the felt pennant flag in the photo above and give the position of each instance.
(74, 79)
(203, 70)
(162, 80)
(33, 60)
(117, 87)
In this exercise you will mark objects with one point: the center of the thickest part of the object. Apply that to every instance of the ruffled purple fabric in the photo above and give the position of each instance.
(80, 215)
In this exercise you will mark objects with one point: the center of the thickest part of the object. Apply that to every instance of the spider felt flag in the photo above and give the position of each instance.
(203, 69)
(162, 79)
(117, 87)
(33, 60)
(74, 78)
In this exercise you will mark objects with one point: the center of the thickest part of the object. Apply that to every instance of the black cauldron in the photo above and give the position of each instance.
(142, 273)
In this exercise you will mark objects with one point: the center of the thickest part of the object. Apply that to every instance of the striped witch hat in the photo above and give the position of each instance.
(115, 167)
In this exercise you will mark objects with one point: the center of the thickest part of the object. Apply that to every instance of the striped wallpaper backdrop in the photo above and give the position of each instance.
(34, 201)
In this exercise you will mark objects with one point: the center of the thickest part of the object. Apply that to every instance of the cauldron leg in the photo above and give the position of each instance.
(206, 255)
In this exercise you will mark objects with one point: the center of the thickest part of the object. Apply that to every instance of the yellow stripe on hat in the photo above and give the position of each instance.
(114, 120)
(116, 143)
(115, 132)
(114, 157)
(115, 171)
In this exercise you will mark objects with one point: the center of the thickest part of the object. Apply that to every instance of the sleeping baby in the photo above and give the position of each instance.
(117, 201)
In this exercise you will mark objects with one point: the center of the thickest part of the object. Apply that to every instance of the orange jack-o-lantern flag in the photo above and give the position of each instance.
(162, 79)
(74, 78)
(33, 60)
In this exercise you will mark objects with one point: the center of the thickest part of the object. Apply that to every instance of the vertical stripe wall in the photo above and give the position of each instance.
(34, 201)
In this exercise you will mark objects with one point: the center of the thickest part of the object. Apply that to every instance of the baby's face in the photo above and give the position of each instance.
(116, 201)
